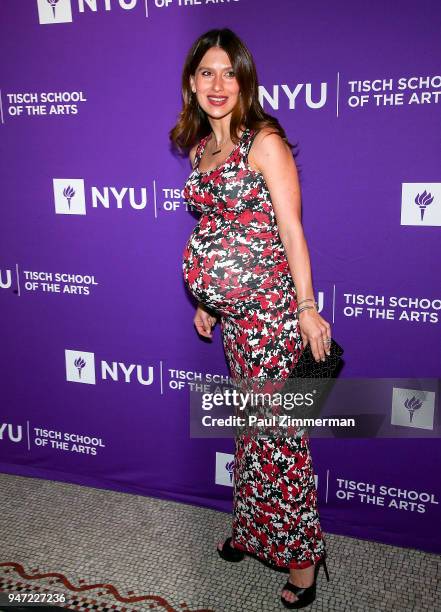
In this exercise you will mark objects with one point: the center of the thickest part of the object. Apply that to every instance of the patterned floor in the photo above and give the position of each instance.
(104, 550)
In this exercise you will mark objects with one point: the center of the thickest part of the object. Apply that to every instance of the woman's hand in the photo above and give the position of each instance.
(315, 330)
(204, 321)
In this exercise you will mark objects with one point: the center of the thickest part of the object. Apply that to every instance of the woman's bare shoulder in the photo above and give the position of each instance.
(267, 137)
(267, 144)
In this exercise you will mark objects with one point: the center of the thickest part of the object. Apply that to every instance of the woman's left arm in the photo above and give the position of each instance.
(274, 159)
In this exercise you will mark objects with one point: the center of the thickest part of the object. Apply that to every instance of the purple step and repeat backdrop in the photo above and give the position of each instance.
(99, 352)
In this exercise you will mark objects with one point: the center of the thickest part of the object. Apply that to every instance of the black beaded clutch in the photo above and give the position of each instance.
(308, 367)
(320, 375)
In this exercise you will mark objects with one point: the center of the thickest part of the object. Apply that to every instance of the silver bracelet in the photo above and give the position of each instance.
(315, 304)
(306, 300)
(299, 310)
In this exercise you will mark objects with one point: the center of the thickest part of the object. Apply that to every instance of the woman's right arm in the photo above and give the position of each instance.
(203, 320)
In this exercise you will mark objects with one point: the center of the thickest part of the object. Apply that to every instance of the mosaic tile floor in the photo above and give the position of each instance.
(113, 551)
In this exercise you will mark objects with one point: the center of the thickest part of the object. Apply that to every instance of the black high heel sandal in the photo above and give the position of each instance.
(306, 595)
(228, 553)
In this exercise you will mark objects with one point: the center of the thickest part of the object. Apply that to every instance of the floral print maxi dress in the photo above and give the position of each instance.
(234, 263)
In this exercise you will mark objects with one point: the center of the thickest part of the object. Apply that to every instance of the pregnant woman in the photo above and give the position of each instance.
(247, 264)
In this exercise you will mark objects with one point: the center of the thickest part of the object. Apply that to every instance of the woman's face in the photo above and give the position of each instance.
(215, 84)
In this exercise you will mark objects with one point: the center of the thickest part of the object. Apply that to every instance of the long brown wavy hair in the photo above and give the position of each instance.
(192, 122)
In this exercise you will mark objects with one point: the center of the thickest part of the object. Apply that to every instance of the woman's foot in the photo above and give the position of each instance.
(299, 577)
(228, 552)
(221, 543)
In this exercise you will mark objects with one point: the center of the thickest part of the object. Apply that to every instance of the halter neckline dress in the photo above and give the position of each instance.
(235, 264)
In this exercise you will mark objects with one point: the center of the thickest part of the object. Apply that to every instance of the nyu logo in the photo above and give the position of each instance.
(80, 368)
(60, 11)
(69, 196)
(413, 408)
(303, 91)
(70, 199)
(224, 469)
(5, 279)
(421, 204)
(7, 432)
(320, 301)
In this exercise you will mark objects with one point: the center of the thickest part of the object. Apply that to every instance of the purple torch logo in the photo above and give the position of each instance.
(412, 404)
(69, 193)
(79, 364)
(230, 467)
(423, 200)
(53, 4)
